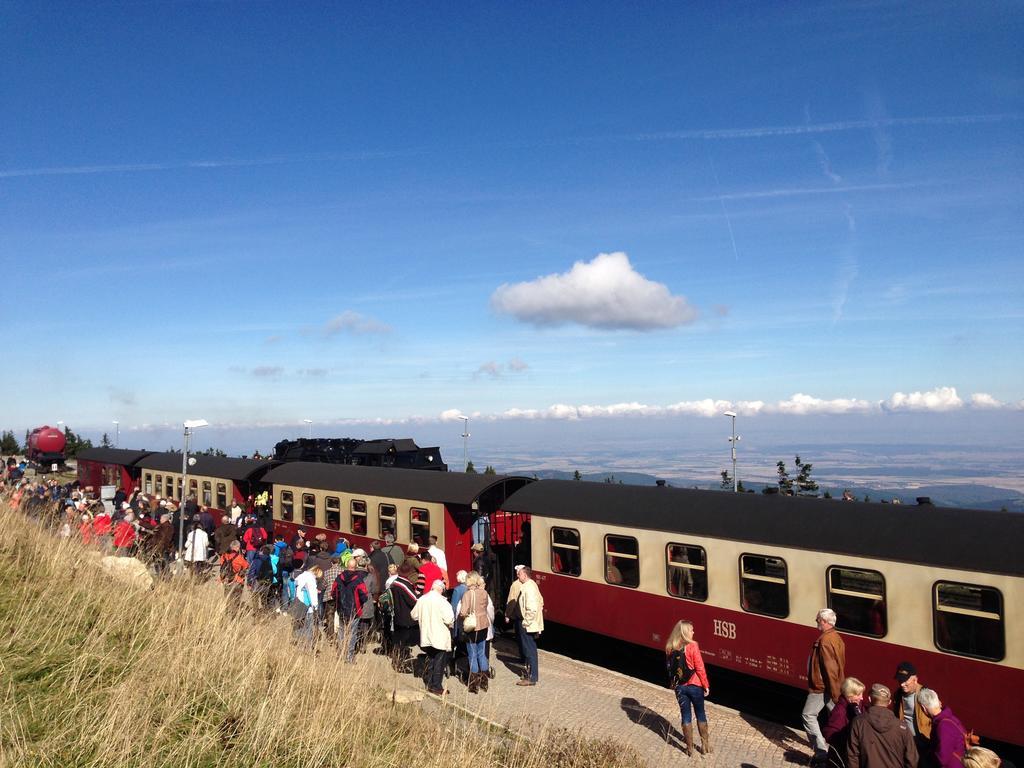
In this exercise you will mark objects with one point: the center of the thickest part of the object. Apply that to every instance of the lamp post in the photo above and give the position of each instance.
(465, 443)
(309, 428)
(733, 440)
(117, 434)
(189, 425)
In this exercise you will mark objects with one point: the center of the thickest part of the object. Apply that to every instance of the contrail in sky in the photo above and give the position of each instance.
(77, 170)
(844, 125)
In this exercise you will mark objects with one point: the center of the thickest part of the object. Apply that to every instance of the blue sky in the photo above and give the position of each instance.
(259, 213)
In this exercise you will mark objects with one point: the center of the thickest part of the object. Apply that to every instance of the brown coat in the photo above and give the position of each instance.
(827, 665)
(880, 740)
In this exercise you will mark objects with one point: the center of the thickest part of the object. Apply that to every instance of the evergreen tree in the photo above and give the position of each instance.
(470, 469)
(804, 484)
(576, 475)
(489, 470)
(105, 441)
(9, 443)
(785, 484)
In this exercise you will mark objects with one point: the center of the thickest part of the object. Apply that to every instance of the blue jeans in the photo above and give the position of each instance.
(528, 644)
(477, 653)
(688, 695)
(348, 637)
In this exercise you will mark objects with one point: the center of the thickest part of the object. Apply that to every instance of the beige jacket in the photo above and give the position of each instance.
(531, 606)
(435, 617)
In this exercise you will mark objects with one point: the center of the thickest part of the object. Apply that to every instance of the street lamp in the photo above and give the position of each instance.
(733, 440)
(309, 428)
(189, 426)
(465, 443)
(117, 434)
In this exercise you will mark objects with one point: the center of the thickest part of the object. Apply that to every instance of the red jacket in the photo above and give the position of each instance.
(124, 535)
(431, 572)
(695, 661)
(247, 538)
(101, 524)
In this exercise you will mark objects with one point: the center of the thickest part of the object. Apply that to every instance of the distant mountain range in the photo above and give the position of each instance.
(967, 495)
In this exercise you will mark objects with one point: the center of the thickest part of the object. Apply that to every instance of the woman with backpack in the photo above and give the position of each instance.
(690, 681)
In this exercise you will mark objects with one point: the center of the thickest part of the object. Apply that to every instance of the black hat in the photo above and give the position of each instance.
(905, 671)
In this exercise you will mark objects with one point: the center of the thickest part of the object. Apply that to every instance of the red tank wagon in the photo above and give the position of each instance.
(46, 446)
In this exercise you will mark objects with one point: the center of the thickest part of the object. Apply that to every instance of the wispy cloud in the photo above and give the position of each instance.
(354, 323)
(267, 371)
(605, 293)
(318, 373)
(497, 370)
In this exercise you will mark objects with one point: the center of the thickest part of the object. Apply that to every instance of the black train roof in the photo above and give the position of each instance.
(967, 539)
(123, 456)
(209, 466)
(390, 482)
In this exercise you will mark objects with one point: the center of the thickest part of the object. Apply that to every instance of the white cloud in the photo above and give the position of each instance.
(984, 400)
(452, 414)
(605, 293)
(516, 365)
(938, 399)
(489, 368)
(801, 404)
(355, 323)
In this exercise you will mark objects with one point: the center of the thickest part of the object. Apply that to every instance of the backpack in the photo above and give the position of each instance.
(227, 570)
(386, 606)
(284, 558)
(678, 669)
(266, 572)
(258, 539)
(347, 600)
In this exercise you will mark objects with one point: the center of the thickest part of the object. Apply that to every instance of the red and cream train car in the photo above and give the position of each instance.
(940, 587)
(363, 504)
(215, 481)
(109, 466)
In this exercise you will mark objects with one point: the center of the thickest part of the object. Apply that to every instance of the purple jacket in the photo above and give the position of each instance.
(837, 729)
(947, 739)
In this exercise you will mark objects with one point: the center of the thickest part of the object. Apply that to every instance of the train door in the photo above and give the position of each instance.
(510, 546)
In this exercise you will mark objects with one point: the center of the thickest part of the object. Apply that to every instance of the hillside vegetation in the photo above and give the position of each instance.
(101, 672)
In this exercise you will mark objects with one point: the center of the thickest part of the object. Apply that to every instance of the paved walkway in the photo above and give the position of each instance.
(607, 705)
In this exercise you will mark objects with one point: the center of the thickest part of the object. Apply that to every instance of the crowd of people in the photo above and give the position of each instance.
(399, 597)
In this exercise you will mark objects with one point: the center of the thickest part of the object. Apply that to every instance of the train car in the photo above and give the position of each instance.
(110, 466)
(366, 503)
(943, 588)
(215, 481)
(46, 447)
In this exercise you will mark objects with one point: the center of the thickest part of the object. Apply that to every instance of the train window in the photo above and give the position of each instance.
(159, 485)
(308, 509)
(179, 493)
(149, 482)
(287, 505)
(333, 507)
(763, 585)
(222, 496)
(207, 493)
(565, 551)
(686, 568)
(969, 620)
(358, 509)
(621, 561)
(386, 514)
(419, 526)
(193, 489)
(858, 598)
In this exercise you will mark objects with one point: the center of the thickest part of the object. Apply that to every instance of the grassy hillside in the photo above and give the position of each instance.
(97, 671)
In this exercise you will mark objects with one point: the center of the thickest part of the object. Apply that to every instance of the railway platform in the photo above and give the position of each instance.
(606, 705)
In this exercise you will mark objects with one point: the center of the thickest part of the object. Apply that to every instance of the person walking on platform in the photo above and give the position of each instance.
(531, 623)
(825, 674)
(435, 617)
(689, 679)
(878, 739)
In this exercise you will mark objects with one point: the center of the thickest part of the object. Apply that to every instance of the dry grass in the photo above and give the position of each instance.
(98, 672)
